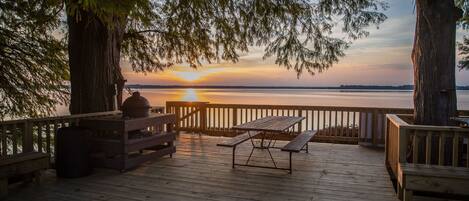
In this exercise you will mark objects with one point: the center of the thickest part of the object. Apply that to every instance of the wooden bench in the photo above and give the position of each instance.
(298, 143)
(432, 178)
(235, 141)
(24, 164)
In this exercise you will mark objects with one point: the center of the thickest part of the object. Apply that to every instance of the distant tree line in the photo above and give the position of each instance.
(384, 87)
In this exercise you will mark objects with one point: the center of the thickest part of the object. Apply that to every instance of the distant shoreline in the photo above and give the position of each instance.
(343, 87)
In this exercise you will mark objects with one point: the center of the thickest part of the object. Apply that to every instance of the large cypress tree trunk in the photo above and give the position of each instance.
(433, 58)
(94, 55)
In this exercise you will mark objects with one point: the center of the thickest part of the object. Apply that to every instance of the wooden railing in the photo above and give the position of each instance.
(431, 145)
(38, 134)
(335, 124)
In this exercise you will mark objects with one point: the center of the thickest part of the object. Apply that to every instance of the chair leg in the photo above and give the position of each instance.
(400, 193)
(290, 168)
(408, 195)
(234, 154)
(307, 147)
(37, 177)
(3, 187)
(171, 144)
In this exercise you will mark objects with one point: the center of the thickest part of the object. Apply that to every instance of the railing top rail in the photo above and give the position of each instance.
(305, 107)
(300, 107)
(60, 117)
(400, 123)
(449, 129)
(394, 118)
(64, 117)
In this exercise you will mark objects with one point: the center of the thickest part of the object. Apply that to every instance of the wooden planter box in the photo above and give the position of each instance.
(125, 143)
(426, 158)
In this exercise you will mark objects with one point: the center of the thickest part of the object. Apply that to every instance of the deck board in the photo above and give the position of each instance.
(200, 170)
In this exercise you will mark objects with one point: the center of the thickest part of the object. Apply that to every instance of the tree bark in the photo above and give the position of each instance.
(94, 56)
(433, 58)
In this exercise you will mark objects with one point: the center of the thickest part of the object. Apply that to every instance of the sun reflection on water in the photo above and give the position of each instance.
(190, 95)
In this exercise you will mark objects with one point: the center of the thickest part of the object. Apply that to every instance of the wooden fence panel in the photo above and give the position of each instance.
(354, 125)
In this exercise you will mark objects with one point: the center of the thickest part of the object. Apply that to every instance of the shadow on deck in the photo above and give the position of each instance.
(202, 171)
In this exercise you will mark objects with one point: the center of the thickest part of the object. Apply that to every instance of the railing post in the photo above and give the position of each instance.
(178, 121)
(169, 108)
(374, 128)
(300, 125)
(455, 158)
(203, 116)
(402, 146)
(386, 140)
(235, 116)
(28, 137)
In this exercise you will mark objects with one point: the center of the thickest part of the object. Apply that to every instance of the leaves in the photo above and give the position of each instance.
(464, 52)
(464, 6)
(109, 10)
(463, 46)
(299, 34)
(33, 62)
(302, 35)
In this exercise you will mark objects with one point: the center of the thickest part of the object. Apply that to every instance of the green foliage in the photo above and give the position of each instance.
(303, 35)
(299, 34)
(464, 24)
(33, 63)
(464, 6)
(108, 10)
(464, 52)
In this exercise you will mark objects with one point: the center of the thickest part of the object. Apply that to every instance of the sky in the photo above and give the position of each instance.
(383, 58)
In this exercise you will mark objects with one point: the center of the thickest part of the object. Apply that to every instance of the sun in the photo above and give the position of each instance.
(190, 76)
(194, 76)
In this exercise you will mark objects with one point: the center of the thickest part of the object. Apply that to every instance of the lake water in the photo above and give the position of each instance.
(319, 97)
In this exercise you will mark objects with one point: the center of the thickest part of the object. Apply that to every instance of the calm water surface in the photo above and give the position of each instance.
(326, 97)
(357, 98)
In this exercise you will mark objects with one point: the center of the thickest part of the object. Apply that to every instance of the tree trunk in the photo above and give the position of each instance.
(433, 58)
(94, 55)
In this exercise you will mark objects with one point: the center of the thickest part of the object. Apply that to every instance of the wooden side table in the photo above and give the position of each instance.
(122, 143)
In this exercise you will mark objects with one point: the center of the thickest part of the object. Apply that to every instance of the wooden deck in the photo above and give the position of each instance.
(202, 171)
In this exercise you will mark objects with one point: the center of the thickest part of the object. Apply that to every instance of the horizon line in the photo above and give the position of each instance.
(395, 87)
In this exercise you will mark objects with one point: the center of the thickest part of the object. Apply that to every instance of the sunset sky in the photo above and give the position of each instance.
(383, 58)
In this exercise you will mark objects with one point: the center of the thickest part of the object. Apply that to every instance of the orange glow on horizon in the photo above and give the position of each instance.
(272, 75)
(382, 58)
(194, 76)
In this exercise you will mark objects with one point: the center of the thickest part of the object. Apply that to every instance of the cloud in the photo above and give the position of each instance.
(396, 66)
(394, 32)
